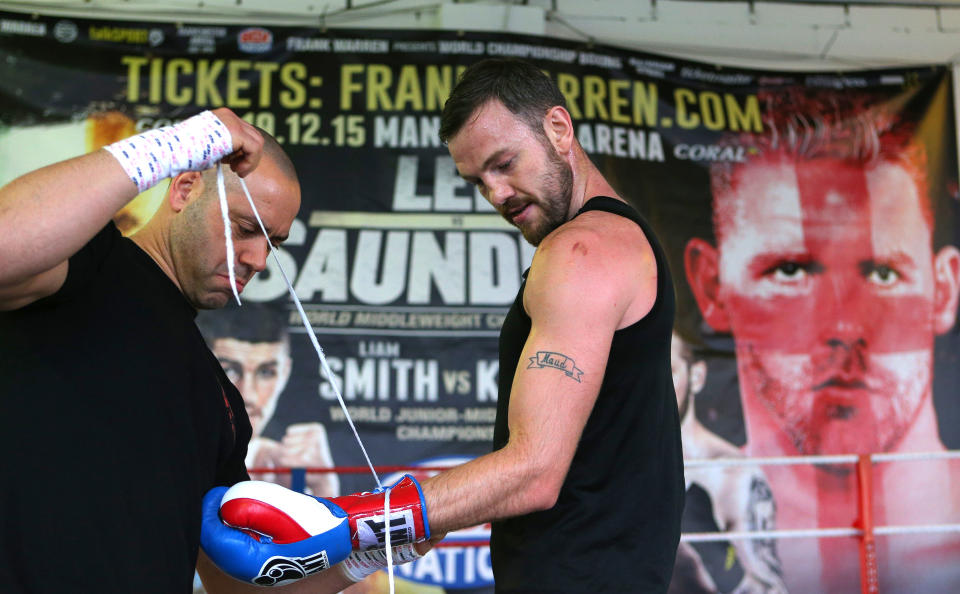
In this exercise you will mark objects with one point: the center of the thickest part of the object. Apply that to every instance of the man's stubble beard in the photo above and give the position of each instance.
(556, 185)
(877, 428)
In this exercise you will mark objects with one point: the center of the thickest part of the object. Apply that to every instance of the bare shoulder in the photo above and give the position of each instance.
(715, 446)
(598, 256)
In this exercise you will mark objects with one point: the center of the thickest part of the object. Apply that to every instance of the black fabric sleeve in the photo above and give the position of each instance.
(85, 264)
(234, 469)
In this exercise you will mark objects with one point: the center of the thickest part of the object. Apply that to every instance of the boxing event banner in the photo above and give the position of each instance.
(809, 220)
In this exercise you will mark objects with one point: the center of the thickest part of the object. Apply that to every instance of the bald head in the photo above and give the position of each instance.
(274, 159)
(275, 153)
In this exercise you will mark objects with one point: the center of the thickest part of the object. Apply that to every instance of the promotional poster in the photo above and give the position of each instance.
(810, 221)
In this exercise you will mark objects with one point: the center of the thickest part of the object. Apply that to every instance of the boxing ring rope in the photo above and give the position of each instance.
(863, 527)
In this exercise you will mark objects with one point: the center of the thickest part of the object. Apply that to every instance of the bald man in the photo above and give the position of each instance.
(121, 416)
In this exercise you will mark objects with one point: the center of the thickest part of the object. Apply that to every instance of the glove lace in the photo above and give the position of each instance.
(313, 339)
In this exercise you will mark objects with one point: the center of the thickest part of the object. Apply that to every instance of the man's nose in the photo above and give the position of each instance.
(254, 254)
(248, 389)
(499, 191)
(845, 317)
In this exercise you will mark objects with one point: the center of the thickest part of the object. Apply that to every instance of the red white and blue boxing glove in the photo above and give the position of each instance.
(273, 535)
(408, 516)
(265, 534)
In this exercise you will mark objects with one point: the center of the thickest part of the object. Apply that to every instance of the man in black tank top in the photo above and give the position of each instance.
(585, 484)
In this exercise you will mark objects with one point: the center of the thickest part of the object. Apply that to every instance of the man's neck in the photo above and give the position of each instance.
(587, 183)
(154, 241)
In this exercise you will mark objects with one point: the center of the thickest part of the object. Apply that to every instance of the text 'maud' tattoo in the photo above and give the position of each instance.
(556, 361)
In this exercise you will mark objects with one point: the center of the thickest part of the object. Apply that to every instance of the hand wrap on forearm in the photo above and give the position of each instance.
(194, 144)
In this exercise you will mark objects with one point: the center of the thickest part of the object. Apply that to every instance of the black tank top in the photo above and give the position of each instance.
(616, 524)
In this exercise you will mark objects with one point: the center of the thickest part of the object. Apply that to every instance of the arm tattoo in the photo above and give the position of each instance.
(761, 515)
(556, 361)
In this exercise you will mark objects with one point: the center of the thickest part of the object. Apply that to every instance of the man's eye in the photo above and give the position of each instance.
(789, 271)
(267, 372)
(505, 165)
(233, 372)
(244, 230)
(883, 275)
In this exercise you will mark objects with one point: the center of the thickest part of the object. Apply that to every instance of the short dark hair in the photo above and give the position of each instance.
(253, 322)
(521, 87)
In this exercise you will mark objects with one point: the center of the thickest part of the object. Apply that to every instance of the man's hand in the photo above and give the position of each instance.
(247, 142)
(305, 445)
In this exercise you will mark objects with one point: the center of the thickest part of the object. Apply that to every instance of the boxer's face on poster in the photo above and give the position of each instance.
(826, 281)
(259, 370)
(518, 171)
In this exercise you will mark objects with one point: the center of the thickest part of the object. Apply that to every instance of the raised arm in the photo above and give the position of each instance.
(47, 215)
(577, 296)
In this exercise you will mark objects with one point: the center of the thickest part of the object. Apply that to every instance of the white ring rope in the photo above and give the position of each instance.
(838, 459)
(765, 534)
(917, 529)
(313, 339)
(948, 455)
(772, 461)
(818, 532)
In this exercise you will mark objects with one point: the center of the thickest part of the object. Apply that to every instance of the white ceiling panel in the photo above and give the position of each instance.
(779, 35)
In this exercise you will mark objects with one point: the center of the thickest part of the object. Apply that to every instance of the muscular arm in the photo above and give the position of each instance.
(577, 296)
(47, 215)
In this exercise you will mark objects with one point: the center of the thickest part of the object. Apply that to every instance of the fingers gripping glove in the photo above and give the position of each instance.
(408, 516)
(270, 535)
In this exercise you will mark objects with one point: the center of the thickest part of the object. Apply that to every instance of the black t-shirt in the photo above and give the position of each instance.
(616, 524)
(115, 419)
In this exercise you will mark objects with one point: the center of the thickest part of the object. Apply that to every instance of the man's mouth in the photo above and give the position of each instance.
(841, 382)
(516, 214)
(241, 283)
(840, 398)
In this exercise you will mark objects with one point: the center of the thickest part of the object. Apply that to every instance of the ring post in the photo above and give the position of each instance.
(869, 574)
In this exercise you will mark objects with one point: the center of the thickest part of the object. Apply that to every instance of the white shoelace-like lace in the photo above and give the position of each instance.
(221, 191)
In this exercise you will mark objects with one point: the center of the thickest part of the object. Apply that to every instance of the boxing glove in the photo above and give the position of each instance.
(271, 535)
(408, 516)
(266, 534)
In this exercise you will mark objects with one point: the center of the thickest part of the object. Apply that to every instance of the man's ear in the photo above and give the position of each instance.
(701, 262)
(559, 128)
(184, 188)
(946, 283)
(698, 376)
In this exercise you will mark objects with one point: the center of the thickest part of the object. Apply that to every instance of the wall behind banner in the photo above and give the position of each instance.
(406, 273)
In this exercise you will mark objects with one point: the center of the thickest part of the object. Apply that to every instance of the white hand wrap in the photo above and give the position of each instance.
(194, 144)
(360, 564)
